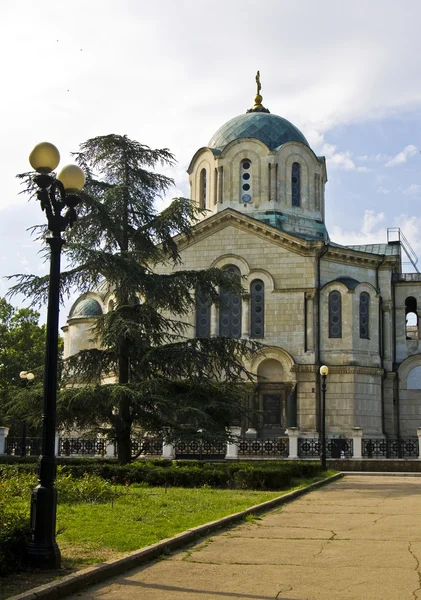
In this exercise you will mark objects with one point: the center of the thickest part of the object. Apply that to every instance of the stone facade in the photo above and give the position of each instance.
(265, 216)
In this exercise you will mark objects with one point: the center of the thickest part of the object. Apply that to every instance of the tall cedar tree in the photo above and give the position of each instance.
(168, 383)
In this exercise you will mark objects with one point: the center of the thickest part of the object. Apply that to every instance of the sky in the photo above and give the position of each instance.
(169, 73)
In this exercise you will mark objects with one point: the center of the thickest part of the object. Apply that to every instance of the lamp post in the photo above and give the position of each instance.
(28, 377)
(324, 371)
(56, 194)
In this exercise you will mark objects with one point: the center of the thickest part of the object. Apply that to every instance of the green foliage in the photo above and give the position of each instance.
(235, 475)
(15, 492)
(89, 488)
(22, 348)
(168, 384)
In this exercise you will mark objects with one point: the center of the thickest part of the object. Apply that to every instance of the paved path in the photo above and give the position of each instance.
(359, 537)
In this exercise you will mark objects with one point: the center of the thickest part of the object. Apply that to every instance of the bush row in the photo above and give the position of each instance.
(238, 475)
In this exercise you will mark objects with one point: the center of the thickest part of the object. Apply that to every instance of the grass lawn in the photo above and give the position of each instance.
(140, 516)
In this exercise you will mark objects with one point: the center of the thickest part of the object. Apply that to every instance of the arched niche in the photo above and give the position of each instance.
(270, 370)
(414, 379)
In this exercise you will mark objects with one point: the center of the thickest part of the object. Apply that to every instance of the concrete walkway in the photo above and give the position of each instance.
(359, 537)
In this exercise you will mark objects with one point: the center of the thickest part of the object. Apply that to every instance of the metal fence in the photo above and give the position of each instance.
(393, 448)
(146, 447)
(82, 446)
(269, 448)
(335, 448)
(200, 450)
(14, 446)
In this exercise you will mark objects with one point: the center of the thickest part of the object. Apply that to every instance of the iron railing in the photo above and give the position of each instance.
(273, 448)
(13, 446)
(335, 448)
(393, 448)
(200, 450)
(145, 447)
(82, 446)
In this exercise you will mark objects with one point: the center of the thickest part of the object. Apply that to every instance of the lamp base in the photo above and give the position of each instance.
(42, 551)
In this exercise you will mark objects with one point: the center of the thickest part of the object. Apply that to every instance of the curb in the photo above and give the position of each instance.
(75, 582)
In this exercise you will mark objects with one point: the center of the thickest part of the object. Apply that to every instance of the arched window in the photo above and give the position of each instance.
(295, 184)
(245, 182)
(202, 188)
(335, 314)
(364, 315)
(230, 311)
(203, 316)
(257, 309)
(411, 315)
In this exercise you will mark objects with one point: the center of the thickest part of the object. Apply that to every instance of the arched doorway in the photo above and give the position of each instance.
(274, 400)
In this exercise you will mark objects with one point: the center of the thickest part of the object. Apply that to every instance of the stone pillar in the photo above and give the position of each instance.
(292, 433)
(232, 450)
(110, 449)
(214, 321)
(291, 408)
(168, 451)
(220, 184)
(386, 332)
(273, 170)
(357, 442)
(310, 321)
(57, 444)
(245, 317)
(4, 432)
(419, 442)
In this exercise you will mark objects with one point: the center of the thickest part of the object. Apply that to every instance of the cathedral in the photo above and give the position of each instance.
(310, 301)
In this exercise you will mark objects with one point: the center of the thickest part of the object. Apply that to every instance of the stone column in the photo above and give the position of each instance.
(419, 442)
(293, 433)
(291, 407)
(273, 170)
(4, 432)
(220, 184)
(214, 321)
(168, 451)
(357, 442)
(310, 321)
(245, 317)
(386, 331)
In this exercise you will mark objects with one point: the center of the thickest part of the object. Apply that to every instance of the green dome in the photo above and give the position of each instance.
(269, 129)
(88, 307)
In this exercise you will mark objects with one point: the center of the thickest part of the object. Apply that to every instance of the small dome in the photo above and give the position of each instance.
(87, 308)
(269, 129)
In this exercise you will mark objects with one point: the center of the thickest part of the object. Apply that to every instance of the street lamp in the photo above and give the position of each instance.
(324, 371)
(28, 377)
(56, 194)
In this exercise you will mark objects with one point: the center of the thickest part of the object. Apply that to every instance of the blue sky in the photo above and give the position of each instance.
(169, 74)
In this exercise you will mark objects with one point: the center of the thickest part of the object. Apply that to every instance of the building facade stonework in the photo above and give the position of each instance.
(310, 301)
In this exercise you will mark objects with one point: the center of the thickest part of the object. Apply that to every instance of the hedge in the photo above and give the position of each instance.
(236, 475)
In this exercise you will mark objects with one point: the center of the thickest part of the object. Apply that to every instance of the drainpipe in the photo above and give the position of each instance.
(394, 365)
(318, 387)
(381, 346)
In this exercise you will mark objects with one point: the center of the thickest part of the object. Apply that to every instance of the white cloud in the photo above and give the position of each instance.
(374, 157)
(412, 190)
(402, 156)
(341, 160)
(372, 231)
(382, 190)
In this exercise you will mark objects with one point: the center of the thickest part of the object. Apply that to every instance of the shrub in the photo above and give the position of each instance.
(274, 475)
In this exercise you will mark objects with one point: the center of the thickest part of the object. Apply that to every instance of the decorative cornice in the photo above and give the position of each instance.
(340, 369)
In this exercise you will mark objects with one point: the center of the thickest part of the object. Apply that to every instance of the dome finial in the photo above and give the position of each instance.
(258, 107)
